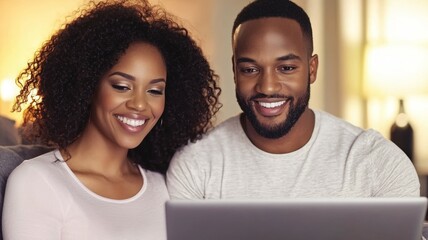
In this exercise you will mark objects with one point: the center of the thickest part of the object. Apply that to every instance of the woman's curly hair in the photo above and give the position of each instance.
(60, 82)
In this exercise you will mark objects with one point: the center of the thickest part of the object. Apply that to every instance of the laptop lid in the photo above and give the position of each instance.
(340, 218)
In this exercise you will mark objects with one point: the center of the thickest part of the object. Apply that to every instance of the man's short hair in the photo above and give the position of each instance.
(276, 8)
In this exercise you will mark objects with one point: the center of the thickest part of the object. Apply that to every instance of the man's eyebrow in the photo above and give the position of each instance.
(244, 59)
(282, 58)
(127, 76)
(289, 57)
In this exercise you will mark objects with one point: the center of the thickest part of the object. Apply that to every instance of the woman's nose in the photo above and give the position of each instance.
(137, 102)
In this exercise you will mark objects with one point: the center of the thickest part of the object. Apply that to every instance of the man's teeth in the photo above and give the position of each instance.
(131, 122)
(271, 104)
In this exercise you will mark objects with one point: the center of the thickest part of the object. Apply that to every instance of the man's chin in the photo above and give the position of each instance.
(271, 130)
(270, 133)
(270, 122)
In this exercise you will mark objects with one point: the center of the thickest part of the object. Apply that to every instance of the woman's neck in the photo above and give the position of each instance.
(94, 153)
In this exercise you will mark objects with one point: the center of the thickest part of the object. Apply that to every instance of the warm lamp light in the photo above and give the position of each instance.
(8, 92)
(8, 89)
(395, 70)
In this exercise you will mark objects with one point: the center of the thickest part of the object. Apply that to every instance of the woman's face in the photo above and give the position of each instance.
(131, 97)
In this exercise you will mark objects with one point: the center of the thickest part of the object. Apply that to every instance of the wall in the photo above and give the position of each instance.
(24, 26)
(341, 28)
(392, 21)
(209, 21)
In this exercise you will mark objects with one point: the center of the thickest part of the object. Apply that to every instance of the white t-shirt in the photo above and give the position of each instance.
(339, 160)
(45, 200)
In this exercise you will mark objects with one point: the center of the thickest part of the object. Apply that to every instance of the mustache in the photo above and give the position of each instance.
(261, 95)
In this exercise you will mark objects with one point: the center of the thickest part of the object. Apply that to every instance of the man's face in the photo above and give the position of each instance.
(273, 72)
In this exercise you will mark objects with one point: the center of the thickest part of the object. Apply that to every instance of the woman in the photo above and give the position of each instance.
(118, 90)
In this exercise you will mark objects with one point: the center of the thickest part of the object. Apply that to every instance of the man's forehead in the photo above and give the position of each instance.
(261, 28)
(263, 25)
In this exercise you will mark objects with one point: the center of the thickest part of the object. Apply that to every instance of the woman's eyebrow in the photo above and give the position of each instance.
(127, 76)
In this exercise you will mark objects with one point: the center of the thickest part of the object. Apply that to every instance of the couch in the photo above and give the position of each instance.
(9, 134)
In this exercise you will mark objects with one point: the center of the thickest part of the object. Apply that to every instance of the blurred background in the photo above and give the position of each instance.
(373, 56)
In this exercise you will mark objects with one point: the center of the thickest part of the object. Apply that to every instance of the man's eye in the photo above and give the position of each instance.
(248, 70)
(286, 68)
(156, 91)
(120, 87)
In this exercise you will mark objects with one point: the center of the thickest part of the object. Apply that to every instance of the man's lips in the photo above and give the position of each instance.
(271, 104)
(270, 108)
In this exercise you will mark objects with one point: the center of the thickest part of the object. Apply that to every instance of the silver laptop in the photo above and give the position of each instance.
(295, 219)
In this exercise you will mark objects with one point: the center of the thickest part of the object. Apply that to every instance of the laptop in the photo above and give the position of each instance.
(296, 219)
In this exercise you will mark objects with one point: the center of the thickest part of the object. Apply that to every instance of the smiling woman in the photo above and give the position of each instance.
(118, 90)
(130, 98)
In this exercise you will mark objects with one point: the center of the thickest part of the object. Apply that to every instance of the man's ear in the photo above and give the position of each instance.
(313, 68)
(233, 68)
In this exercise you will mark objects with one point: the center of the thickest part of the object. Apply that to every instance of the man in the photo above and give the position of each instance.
(278, 147)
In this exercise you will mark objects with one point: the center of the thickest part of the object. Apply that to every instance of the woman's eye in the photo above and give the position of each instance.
(156, 91)
(120, 87)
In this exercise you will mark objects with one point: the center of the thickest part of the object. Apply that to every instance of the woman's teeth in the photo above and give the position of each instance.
(131, 122)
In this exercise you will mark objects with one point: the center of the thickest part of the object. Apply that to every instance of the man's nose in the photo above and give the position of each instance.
(268, 83)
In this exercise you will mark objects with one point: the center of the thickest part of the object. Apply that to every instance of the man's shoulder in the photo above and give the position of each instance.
(331, 121)
(367, 141)
(334, 124)
(223, 131)
(229, 125)
(222, 135)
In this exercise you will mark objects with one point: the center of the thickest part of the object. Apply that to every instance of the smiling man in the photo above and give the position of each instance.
(279, 147)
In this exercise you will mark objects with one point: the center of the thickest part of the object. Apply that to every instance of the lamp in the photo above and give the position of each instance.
(399, 71)
(8, 89)
(8, 92)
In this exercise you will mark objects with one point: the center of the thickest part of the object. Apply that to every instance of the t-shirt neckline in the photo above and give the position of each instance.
(97, 196)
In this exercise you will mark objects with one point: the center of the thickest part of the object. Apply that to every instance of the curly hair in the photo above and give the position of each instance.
(60, 82)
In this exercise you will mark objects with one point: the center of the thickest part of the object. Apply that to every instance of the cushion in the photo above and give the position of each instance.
(9, 133)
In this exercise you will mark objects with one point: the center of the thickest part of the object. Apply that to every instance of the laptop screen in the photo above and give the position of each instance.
(340, 218)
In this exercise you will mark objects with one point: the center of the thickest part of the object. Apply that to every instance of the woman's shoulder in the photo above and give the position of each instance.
(42, 160)
(40, 165)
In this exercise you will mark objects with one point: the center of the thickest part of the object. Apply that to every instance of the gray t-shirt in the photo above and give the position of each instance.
(339, 160)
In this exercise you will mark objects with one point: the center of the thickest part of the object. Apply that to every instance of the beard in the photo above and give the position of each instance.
(296, 109)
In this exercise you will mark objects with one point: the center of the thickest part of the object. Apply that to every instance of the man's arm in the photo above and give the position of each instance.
(395, 175)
